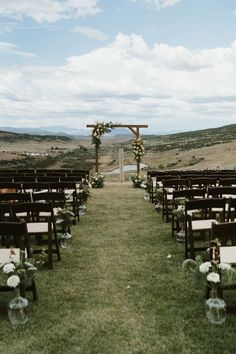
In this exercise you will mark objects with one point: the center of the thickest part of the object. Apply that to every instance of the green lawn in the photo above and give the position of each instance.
(115, 291)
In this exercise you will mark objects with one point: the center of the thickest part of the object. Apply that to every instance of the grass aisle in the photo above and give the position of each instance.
(117, 292)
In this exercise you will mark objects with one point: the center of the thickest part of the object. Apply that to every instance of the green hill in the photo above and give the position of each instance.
(193, 139)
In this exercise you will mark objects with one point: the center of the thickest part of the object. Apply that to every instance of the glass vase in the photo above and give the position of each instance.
(18, 309)
(66, 239)
(180, 236)
(215, 309)
(82, 209)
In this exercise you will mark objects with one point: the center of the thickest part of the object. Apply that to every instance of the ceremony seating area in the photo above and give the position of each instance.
(122, 274)
(202, 211)
(29, 203)
(208, 197)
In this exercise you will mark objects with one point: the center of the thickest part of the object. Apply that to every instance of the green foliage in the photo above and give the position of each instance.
(97, 181)
(195, 139)
(77, 158)
(16, 137)
(137, 180)
(99, 129)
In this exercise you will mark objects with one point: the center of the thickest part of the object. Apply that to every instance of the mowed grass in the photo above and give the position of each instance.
(115, 291)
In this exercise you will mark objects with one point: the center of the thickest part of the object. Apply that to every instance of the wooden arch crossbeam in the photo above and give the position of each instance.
(134, 128)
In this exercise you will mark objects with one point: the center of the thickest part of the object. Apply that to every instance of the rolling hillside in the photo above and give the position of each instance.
(210, 148)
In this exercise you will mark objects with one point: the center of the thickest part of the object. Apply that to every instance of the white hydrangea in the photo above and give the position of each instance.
(13, 281)
(205, 267)
(224, 266)
(9, 268)
(213, 277)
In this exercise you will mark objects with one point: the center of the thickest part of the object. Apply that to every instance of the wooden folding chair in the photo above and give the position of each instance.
(226, 234)
(184, 195)
(199, 216)
(41, 228)
(168, 187)
(15, 197)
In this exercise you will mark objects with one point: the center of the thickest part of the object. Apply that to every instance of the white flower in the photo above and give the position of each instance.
(224, 266)
(13, 281)
(213, 277)
(205, 267)
(169, 256)
(9, 268)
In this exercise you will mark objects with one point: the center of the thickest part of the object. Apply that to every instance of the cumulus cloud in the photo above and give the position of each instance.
(91, 33)
(11, 48)
(49, 11)
(157, 4)
(127, 82)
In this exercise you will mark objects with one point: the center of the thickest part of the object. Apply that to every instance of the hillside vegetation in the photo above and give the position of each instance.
(209, 148)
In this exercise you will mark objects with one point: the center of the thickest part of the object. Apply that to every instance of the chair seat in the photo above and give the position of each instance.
(37, 227)
(203, 224)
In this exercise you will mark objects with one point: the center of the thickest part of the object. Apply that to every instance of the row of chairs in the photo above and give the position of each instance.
(45, 172)
(56, 192)
(40, 178)
(41, 226)
(191, 194)
(31, 227)
(170, 184)
(199, 216)
(207, 192)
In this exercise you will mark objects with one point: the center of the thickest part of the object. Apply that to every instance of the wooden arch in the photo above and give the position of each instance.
(134, 128)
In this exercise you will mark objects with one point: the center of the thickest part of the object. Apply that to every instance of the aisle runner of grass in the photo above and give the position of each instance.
(116, 291)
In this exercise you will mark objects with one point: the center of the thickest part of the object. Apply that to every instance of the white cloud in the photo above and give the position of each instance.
(157, 4)
(11, 48)
(170, 88)
(91, 33)
(48, 10)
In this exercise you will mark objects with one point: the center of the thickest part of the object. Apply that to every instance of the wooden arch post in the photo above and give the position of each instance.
(134, 128)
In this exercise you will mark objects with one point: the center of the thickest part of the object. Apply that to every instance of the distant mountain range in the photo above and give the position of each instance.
(70, 132)
(52, 130)
(226, 132)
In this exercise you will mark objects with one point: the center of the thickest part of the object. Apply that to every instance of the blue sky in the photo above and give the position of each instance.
(167, 63)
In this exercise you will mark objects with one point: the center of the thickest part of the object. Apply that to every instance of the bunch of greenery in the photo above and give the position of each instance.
(97, 181)
(211, 272)
(138, 149)
(19, 273)
(65, 217)
(158, 199)
(179, 210)
(100, 129)
(83, 192)
(138, 181)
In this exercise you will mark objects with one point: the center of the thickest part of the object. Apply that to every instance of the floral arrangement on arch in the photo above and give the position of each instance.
(99, 129)
(138, 149)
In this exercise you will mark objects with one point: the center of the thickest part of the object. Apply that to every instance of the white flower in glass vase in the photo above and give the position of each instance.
(205, 267)
(9, 268)
(213, 277)
(13, 281)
